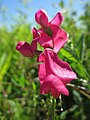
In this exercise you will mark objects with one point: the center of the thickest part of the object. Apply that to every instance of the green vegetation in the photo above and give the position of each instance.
(19, 85)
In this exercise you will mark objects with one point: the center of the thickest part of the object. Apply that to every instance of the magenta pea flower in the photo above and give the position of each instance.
(52, 36)
(54, 74)
(29, 50)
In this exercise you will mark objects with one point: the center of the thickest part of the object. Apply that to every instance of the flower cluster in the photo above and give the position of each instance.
(53, 73)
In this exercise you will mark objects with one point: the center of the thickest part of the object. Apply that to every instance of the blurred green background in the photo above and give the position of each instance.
(19, 84)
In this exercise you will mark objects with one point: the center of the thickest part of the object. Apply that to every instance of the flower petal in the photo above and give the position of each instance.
(59, 37)
(58, 67)
(25, 49)
(28, 50)
(41, 17)
(34, 44)
(53, 84)
(54, 74)
(57, 20)
(42, 75)
(45, 40)
(41, 58)
(41, 72)
(35, 33)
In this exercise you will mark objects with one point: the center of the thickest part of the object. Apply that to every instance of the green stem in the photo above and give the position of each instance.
(81, 89)
(53, 109)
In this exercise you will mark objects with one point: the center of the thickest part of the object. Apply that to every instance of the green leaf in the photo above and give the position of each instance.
(81, 70)
(40, 47)
(61, 4)
(80, 47)
(71, 56)
(3, 57)
(6, 64)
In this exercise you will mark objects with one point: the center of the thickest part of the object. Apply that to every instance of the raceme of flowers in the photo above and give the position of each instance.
(53, 72)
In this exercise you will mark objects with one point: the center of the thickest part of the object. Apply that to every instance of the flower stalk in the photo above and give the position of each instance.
(81, 89)
(53, 108)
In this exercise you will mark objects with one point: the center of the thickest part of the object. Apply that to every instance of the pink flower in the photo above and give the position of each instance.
(54, 74)
(29, 50)
(51, 35)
